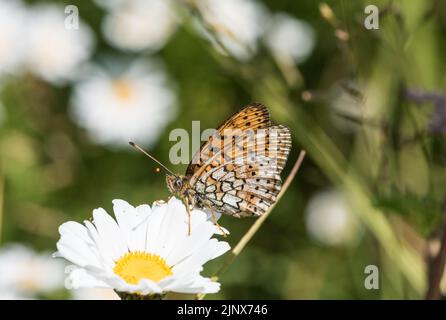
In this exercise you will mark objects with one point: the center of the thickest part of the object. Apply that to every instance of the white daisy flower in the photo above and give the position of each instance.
(289, 38)
(146, 250)
(136, 25)
(12, 20)
(115, 108)
(26, 274)
(238, 24)
(330, 221)
(54, 52)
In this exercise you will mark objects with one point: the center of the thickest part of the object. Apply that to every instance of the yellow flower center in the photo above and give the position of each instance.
(123, 89)
(137, 265)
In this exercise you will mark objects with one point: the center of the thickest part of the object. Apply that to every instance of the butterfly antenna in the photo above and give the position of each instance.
(134, 145)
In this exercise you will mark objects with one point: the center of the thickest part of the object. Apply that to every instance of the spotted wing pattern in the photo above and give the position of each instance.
(255, 116)
(246, 188)
(240, 175)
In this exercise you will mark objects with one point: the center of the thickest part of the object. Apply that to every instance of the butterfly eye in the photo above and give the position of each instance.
(178, 183)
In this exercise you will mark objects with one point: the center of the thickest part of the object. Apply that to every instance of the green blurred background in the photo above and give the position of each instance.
(366, 105)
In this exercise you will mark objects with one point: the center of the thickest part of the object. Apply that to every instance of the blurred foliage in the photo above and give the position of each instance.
(386, 158)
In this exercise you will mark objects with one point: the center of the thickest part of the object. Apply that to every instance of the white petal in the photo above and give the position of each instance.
(124, 217)
(145, 286)
(75, 229)
(193, 283)
(144, 209)
(110, 233)
(203, 287)
(80, 278)
(104, 254)
(170, 223)
(76, 251)
(199, 237)
(156, 218)
(210, 250)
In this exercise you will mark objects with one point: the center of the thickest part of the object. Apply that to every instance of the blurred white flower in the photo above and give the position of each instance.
(24, 274)
(146, 250)
(289, 38)
(12, 296)
(136, 25)
(12, 21)
(136, 104)
(237, 24)
(330, 221)
(94, 294)
(54, 52)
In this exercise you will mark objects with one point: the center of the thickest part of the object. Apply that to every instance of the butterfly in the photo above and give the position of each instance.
(237, 170)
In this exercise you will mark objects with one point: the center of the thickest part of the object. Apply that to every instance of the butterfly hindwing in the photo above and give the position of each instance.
(241, 184)
(241, 191)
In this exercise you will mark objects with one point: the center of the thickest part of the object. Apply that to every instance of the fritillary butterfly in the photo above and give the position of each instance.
(237, 170)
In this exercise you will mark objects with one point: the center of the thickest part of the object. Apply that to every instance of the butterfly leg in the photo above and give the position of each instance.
(214, 218)
(188, 215)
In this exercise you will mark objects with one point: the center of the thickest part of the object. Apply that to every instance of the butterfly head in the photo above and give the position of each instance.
(175, 184)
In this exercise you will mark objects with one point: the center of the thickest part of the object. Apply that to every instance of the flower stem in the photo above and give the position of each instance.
(256, 226)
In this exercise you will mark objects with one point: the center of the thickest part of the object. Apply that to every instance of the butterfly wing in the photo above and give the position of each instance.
(254, 116)
(241, 185)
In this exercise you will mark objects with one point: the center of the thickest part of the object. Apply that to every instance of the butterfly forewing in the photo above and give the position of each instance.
(237, 171)
(252, 117)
